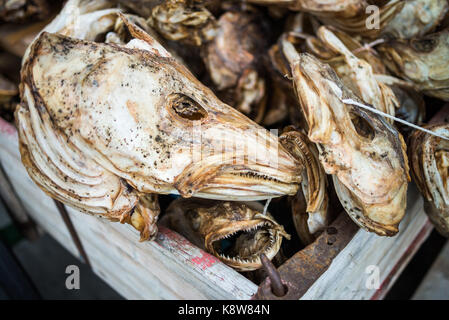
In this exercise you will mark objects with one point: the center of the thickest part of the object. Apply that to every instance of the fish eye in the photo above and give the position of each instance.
(186, 108)
(423, 45)
(362, 126)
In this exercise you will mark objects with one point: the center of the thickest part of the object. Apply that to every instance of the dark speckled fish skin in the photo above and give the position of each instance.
(100, 95)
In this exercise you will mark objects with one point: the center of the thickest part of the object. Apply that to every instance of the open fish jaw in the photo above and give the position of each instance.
(245, 230)
(429, 157)
(365, 153)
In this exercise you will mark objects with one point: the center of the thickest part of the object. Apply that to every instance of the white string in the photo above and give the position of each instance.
(369, 46)
(266, 206)
(355, 103)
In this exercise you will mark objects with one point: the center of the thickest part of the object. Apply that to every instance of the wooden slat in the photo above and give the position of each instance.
(390, 255)
(168, 268)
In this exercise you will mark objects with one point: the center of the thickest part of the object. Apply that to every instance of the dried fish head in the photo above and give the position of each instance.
(365, 154)
(429, 157)
(82, 19)
(131, 113)
(355, 17)
(17, 11)
(358, 75)
(333, 53)
(340, 8)
(184, 20)
(233, 60)
(348, 15)
(235, 232)
(416, 18)
(420, 61)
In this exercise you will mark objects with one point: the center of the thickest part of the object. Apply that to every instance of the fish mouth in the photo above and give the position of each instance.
(239, 182)
(251, 184)
(240, 243)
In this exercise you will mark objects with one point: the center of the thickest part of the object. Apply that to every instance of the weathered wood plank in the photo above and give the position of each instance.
(168, 268)
(367, 250)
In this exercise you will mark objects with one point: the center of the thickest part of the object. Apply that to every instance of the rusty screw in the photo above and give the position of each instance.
(277, 287)
(331, 231)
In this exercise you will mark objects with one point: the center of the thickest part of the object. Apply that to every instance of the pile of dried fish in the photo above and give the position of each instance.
(134, 109)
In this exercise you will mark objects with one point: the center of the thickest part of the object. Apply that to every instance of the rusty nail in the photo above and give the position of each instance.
(277, 287)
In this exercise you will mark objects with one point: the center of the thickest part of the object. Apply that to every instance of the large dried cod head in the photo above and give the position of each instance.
(187, 21)
(416, 18)
(365, 155)
(422, 61)
(429, 158)
(235, 232)
(103, 125)
(233, 60)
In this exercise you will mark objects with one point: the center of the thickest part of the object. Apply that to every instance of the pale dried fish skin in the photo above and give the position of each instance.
(233, 61)
(350, 16)
(187, 21)
(416, 18)
(429, 157)
(358, 75)
(420, 61)
(17, 11)
(365, 154)
(90, 101)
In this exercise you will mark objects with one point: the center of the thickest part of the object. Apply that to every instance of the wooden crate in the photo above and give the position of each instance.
(172, 268)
